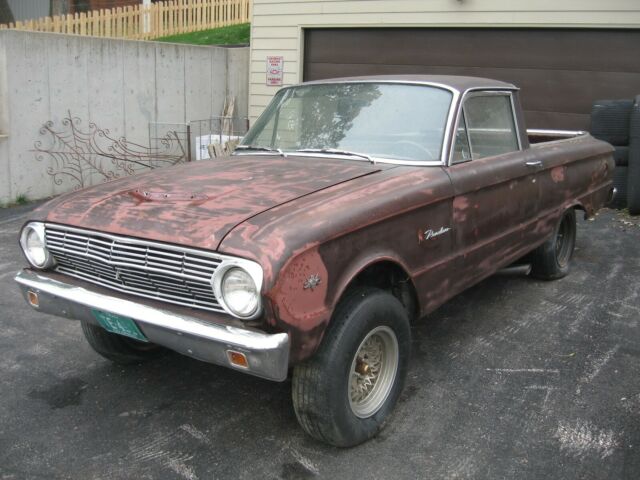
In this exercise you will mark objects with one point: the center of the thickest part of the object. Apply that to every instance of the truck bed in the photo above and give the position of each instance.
(538, 136)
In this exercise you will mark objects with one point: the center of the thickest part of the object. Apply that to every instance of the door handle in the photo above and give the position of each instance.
(534, 163)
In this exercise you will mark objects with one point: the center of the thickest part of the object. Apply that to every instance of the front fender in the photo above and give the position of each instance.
(308, 289)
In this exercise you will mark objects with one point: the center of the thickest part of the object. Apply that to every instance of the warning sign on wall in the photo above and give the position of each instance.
(275, 69)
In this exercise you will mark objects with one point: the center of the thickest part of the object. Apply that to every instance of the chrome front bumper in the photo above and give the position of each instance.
(267, 354)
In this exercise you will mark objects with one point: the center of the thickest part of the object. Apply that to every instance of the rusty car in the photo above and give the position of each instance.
(351, 208)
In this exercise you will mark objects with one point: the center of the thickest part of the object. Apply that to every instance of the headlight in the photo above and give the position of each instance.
(34, 247)
(239, 292)
(237, 284)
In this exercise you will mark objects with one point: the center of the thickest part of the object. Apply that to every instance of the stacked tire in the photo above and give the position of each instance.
(611, 122)
(633, 183)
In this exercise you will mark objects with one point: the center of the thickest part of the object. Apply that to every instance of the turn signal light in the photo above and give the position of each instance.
(34, 301)
(237, 359)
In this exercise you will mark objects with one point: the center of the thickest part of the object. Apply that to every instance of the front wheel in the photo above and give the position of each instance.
(344, 393)
(551, 259)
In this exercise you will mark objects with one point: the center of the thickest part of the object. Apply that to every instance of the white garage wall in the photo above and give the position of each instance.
(28, 9)
(277, 25)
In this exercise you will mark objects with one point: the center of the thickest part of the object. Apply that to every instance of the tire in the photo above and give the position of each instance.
(621, 156)
(118, 348)
(634, 125)
(551, 260)
(331, 401)
(620, 183)
(610, 121)
(633, 182)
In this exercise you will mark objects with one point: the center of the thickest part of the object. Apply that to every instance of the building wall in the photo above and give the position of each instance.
(112, 89)
(85, 5)
(277, 25)
(28, 9)
(31, 9)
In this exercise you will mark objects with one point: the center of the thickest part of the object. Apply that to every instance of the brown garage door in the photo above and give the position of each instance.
(560, 71)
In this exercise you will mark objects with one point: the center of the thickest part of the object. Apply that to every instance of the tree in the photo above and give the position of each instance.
(6, 15)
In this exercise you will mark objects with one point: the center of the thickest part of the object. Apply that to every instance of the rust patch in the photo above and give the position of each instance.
(146, 196)
(557, 174)
(460, 209)
(302, 308)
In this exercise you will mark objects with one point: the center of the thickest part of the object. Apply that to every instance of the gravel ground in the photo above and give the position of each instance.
(514, 379)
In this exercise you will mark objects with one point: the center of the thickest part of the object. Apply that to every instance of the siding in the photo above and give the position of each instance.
(276, 28)
(85, 5)
(28, 9)
(31, 9)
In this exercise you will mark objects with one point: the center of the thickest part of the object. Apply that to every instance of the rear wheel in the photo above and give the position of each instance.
(551, 260)
(344, 393)
(118, 348)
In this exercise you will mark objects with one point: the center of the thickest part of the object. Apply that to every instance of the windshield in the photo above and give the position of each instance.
(381, 120)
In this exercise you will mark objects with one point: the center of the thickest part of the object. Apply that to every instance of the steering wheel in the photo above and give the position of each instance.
(418, 147)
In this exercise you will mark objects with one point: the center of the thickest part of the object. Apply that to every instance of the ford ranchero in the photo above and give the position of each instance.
(351, 207)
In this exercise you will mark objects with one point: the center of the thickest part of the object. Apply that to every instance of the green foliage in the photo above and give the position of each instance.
(21, 199)
(231, 35)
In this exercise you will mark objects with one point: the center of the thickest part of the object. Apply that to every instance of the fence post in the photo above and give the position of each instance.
(96, 23)
(146, 17)
(174, 18)
(130, 23)
(106, 23)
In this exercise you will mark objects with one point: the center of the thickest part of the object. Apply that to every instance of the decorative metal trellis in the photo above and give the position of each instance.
(79, 154)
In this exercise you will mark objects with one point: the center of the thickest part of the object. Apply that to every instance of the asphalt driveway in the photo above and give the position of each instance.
(514, 379)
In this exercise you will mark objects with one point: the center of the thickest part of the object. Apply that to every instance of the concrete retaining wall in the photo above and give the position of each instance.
(75, 111)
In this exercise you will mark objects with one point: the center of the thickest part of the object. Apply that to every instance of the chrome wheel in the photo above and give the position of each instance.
(373, 371)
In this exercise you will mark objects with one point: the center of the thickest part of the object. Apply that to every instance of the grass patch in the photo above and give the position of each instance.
(231, 35)
(21, 199)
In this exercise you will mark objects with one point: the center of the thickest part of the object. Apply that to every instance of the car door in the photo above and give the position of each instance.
(495, 191)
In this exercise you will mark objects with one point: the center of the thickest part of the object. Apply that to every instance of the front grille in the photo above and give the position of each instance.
(162, 272)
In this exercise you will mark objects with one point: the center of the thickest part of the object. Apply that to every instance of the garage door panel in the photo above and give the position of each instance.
(512, 48)
(561, 121)
(560, 72)
(317, 71)
(539, 87)
(569, 92)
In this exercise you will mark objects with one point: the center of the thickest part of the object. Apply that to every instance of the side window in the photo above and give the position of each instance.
(490, 124)
(461, 151)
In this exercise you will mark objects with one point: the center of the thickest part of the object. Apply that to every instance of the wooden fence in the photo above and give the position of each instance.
(145, 22)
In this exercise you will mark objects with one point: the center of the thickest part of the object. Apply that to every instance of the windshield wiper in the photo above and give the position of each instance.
(336, 151)
(258, 148)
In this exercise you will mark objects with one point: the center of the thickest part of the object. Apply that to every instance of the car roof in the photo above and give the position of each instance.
(460, 83)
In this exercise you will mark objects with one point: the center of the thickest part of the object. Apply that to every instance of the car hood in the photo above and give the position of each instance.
(197, 204)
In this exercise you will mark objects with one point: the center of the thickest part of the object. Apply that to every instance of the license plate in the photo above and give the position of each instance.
(117, 324)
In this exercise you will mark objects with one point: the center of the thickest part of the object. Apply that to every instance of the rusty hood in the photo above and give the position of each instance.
(197, 204)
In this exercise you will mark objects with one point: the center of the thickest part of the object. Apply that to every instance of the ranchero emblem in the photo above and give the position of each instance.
(312, 282)
(435, 233)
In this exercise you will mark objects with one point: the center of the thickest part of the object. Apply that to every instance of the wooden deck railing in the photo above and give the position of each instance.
(145, 22)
